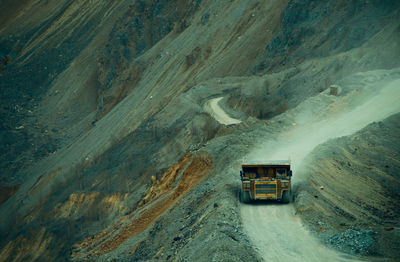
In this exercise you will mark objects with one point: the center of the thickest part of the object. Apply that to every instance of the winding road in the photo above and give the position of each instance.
(276, 232)
(213, 108)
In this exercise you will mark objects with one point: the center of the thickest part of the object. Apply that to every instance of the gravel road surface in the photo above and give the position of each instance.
(218, 113)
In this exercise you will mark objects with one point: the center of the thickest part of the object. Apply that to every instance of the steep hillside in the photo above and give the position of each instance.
(108, 148)
(38, 41)
(352, 192)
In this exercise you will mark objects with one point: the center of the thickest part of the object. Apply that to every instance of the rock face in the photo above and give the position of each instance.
(107, 152)
(320, 29)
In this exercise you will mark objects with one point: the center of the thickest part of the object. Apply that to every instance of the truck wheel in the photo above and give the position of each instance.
(244, 196)
(286, 195)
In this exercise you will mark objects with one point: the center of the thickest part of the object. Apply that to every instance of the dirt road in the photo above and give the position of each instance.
(275, 230)
(279, 235)
(216, 111)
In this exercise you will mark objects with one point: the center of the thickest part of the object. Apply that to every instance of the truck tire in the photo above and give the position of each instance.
(244, 196)
(286, 196)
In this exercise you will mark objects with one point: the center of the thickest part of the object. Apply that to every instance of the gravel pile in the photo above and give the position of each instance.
(352, 241)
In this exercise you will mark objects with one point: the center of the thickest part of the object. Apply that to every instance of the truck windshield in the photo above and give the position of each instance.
(281, 171)
(264, 171)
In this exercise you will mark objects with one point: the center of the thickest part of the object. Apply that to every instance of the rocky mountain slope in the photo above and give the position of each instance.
(107, 149)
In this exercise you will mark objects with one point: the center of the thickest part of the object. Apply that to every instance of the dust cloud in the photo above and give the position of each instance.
(301, 139)
(315, 121)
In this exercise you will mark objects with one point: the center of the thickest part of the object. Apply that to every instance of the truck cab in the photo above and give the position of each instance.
(269, 180)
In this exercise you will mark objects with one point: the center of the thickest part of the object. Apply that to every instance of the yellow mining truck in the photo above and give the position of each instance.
(270, 180)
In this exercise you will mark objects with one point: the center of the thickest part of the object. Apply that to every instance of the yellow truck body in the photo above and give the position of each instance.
(263, 181)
